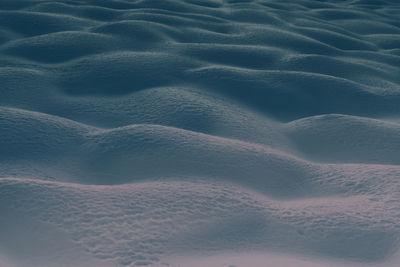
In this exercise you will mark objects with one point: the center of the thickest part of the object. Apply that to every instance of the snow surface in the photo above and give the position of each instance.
(238, 133)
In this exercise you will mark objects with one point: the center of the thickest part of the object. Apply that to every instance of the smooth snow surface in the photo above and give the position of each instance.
(186, 133)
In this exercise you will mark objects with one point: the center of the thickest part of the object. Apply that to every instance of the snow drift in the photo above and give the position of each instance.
(199, 133)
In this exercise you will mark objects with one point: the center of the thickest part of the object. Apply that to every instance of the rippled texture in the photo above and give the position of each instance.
(199, 133)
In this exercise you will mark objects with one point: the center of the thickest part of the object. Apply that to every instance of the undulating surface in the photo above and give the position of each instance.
(238, 133)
